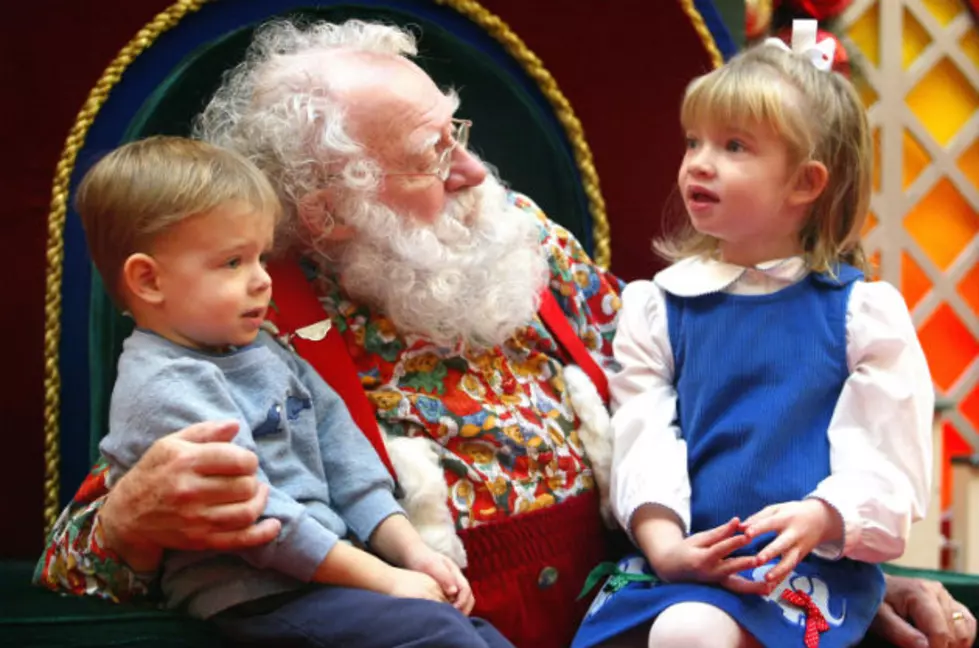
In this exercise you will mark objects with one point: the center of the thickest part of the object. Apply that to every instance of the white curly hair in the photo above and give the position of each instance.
(278, 109)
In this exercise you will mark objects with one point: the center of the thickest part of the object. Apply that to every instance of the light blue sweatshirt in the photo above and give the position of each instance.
(326, 481)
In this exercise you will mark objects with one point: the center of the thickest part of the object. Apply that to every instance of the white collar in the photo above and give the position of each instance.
(702, 275)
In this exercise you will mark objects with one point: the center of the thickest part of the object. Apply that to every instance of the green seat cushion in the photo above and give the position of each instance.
(32, 616)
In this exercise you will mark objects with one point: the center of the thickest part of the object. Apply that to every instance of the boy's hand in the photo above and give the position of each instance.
(412, 584)
(801, 527)
(446, 573)
(704, 557)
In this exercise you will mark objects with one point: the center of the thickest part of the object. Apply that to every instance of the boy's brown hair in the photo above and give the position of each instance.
(145, 187)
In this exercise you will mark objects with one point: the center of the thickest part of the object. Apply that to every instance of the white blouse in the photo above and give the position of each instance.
(879, 435)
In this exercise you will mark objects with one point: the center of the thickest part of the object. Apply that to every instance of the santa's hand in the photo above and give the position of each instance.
(918, 613)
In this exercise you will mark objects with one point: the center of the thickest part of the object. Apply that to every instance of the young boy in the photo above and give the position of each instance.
(179, 230)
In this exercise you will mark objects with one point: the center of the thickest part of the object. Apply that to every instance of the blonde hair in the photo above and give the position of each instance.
(821, 119)
(143, 188)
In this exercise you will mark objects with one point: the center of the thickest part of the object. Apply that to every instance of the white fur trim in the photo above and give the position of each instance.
(595, 432)
(315, 332)
(426, 494)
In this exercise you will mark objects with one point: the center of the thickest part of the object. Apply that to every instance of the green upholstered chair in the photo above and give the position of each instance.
(516, 128)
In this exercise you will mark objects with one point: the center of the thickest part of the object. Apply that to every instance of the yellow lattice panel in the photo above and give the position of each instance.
(919, 76)
(970, 407)
(869, 224)
(916, 159)
(969, 289)
(943, 101)
(865, 34)
(943, 10)
(914, 40)
(942, 223)
(949, 346)
(915, 283)
(969, 44)
(968, 163)
(867, 93)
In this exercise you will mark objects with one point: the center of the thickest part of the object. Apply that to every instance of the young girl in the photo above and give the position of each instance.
(772, 425)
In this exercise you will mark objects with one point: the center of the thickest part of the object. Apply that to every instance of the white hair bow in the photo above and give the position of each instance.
(804, 43)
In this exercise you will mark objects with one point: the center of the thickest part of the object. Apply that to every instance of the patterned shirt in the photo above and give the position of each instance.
(501, 415)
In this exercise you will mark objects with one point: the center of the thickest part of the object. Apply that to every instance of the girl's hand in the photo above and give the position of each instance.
(801, 527)
(705, 557)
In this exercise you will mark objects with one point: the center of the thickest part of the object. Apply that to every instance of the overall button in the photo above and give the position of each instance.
(547, 578)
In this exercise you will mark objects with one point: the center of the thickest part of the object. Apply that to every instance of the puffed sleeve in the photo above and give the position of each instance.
(881, 432)
(649, 463)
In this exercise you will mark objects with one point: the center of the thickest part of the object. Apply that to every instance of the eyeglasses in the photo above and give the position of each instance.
(460, 139)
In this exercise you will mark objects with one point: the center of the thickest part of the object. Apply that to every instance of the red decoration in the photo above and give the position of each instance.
(821, 9)
(758, 17)
(841, 60)
(815, 621)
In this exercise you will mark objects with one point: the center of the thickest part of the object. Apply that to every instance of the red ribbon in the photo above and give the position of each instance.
(815, 622)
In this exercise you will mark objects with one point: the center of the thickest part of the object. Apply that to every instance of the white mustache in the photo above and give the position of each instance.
(474, 275)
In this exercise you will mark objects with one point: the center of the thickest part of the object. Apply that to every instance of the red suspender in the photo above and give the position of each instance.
(298, 307)
(557, 323)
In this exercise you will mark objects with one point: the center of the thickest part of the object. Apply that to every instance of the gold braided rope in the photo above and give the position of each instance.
(699, 26)
(56, 247)
(533, 66)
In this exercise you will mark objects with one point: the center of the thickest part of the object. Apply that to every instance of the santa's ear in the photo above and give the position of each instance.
(316, 215)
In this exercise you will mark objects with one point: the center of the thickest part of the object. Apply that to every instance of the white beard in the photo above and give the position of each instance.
(473, 276)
